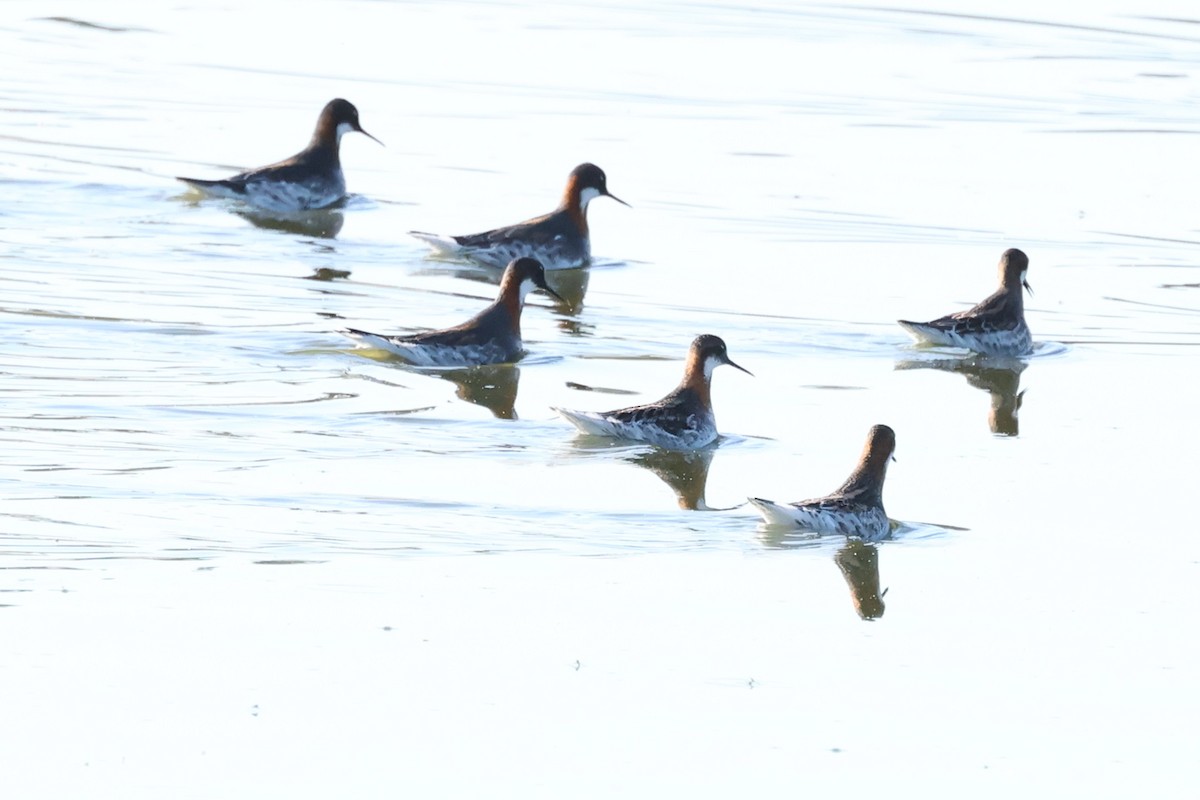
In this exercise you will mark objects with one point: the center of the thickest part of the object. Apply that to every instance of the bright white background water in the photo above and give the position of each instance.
(238, 559)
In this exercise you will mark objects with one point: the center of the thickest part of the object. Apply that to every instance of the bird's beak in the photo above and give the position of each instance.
(1028, 288)
(359, 128)
(729, 361)
(619, 200)
(545, 287)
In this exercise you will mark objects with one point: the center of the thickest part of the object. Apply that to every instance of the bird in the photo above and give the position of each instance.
(559, 239)
(493, 336)
(994, 327)
(855, 509)
(683, 420)
(311, 179)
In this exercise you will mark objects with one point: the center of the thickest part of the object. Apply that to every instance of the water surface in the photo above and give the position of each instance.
(236, 552)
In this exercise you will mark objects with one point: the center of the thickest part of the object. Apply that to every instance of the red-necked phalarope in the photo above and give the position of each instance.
(994, 327)
(311, 179)
(683, 420)
(493, 336)
(856, 508)
(559, 239)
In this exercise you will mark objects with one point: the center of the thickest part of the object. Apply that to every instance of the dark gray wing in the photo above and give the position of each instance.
(492, 325)
(677, 413)
(297, 169)
(542, 230)
(996, 313)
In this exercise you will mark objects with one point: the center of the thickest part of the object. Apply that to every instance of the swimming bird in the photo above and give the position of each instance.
(683, 420)
(559, 239)
(309, 180)
(493, 336)
(994, 327)
(855, 508)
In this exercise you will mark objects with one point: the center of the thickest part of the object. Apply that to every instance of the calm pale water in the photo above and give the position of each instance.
(241, 559)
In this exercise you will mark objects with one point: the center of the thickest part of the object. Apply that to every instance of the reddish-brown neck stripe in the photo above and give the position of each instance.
(694, 378)
(571, 204)
(872, 463)
(325, 133)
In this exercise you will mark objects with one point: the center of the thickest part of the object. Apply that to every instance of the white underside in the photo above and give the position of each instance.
(420, 355)
(291, 197)
(213, 191)
(597, 425)
(440, 244)
(499, 255)
(1014, 342)
(868, 523)
(279, 197)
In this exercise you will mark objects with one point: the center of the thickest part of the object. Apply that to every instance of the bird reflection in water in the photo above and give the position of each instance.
(570, 284)
(859, 563)
(1000, 377)
(493, 386)
(857, 560)
(325, 223)
(685, 471)
(328, 274)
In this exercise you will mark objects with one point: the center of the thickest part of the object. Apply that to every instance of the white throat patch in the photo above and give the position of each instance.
(342, 129)
(527, 286)
(586, 196)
